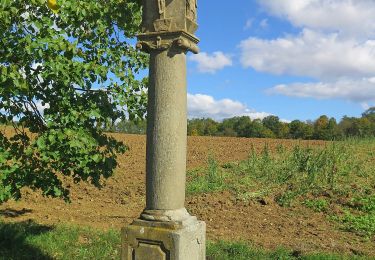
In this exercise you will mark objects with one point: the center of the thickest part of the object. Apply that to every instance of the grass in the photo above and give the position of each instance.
(223, 250)
(28, 240)
(341, 174)
(359, 216)
(318, 205)
(209, 180)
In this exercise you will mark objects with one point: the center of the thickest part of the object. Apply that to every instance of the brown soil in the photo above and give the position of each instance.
(123, 198)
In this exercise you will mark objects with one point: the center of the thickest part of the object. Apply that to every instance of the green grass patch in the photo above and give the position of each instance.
(209, 180)
(363, 224)
(223, 250)
(359, 216)
(340, 174)
(28, 240)
(318, 205)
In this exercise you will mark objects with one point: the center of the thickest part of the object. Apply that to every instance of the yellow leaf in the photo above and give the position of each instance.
(52, 4)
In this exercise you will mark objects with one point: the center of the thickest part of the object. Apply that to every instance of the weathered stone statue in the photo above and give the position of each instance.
(191, 10)
(161, 6)
(165, 230)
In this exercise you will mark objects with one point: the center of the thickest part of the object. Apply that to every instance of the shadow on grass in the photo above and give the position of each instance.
(14, 244)
(13, 213)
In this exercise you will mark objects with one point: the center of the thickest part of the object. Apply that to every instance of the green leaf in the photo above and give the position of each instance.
(56, 60)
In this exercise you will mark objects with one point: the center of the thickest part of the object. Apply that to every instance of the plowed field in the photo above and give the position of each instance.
(123, 198)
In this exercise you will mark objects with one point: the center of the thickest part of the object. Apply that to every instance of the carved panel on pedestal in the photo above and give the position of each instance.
(150, 250)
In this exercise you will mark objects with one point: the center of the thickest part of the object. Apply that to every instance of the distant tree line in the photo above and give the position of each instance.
(129, 127)
(323, 128)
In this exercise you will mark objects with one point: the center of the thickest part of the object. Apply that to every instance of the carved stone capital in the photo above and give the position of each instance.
(165, 40)
(169, 15)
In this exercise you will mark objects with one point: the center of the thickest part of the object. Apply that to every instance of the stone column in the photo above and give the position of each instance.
(165, 230)
(166, 123)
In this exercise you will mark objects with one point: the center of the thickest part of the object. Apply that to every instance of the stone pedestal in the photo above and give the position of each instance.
(160, 241)
(165, 230)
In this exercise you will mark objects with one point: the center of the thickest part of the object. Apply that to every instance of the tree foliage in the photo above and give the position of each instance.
(202, 126)
(323, 128)
(129, 127)
(300, 130)
(80, 66)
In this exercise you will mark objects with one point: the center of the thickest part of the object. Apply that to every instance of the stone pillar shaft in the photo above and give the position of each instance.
(166, 131)
(165, 230)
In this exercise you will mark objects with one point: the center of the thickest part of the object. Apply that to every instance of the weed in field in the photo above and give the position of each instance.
(365, 204)
(286, 198)
(363, 224)
(318, 205)
(210, 180)
(359, 216)
(213, 174)
(247, 196)
(223, 250)
(228, 165)
(317, 177)
(300, 171)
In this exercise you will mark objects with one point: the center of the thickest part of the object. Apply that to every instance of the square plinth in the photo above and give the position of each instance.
(146, 240)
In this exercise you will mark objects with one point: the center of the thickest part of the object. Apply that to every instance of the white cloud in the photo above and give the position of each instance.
(361, 91)
(264, 23)
(348, 17)
(249, 24)
(200, 106)
(211, 63)
(366, 105)
(311, 53)
(335, 46)
(38, 105)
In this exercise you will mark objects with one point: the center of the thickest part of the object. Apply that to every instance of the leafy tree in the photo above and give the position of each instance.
(210, 127)
(273, 123)
(227, 131)
(267, 133)
(257, 129)
(193, 132)
(348, 127)
(320, 128)
(309, 131)
(370, 113)
(242, 126)
(366, 127)
(332, 129)
(203, 126)
(78, 63)
(227, 127)
(300, 130)
(326, 128)
(283, 130)
(195, 127)
(130, 127)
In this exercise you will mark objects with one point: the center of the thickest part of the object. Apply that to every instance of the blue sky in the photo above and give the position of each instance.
(297, 59)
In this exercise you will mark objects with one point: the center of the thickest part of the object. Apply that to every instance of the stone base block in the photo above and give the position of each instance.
(150, 240)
